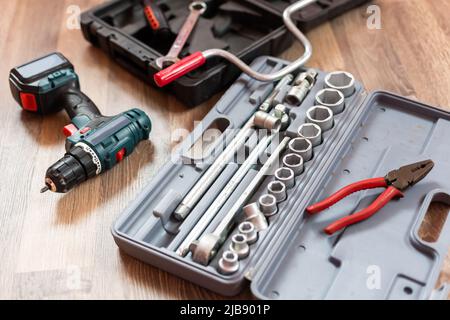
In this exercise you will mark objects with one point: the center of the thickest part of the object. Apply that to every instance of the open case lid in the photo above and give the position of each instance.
(383, 257)
(246, 28)
(315, 14)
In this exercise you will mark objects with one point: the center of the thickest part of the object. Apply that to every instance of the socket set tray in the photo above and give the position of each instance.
(293, 258)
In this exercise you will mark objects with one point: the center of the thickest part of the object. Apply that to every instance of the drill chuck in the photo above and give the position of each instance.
(74, 168)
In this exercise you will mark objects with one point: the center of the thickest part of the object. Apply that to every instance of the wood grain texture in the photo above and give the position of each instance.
(57, 247)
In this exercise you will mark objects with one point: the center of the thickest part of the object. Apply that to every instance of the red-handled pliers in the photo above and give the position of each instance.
(395, 182)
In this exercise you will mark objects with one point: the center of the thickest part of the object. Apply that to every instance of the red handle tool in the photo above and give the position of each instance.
(389, 194)
(345, 192)
(395, 181)
(179, 69)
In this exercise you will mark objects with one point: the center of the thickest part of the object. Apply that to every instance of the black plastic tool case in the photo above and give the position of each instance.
(294, 258)
(119, 28)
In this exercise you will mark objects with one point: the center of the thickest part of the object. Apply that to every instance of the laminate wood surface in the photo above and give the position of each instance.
(56, 246)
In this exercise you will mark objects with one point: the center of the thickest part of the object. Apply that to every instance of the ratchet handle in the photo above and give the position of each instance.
(179, 69)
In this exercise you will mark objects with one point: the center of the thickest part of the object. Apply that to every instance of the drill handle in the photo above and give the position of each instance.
(79, 106)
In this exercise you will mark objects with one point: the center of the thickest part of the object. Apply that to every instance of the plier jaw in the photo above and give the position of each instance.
(409, 175)
(395, 182)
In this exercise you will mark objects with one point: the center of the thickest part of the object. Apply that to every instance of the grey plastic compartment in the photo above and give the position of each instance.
(394, 131)
(294, 259)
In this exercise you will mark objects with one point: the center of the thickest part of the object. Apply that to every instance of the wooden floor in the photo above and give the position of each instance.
(60, 246)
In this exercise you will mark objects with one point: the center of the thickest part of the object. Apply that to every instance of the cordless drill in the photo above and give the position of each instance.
(95, 143)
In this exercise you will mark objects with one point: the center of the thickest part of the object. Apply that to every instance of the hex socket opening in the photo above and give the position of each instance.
(320, 114)
(246, 226)
(296, 95)
(278, 190)
(293, 100)
(239, 238)
(293, 160)
(268, 200)
(309, 131)
(330, 97)
(268, 204)
(248, 229)
(340, 79)
(230, 256)
(284, 173)
(276, 187)
(300, 145)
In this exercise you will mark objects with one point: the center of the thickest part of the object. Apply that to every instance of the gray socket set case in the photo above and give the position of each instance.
(294, 258)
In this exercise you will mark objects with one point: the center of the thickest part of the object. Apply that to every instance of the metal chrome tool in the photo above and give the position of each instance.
(197, 191)
(285, 176)
(240, 246)
(250, 231)
(294, 162)
(195, 60)
(204, 249)
(197, 8)
(395, 182)
(312, 132)
(302, 85)
(259, 120)
(267, 104)
(321, 116)
(278, 190)
(331, 98)
(253, 214)
(228, 263)
(220, 200)
(302, 147)
(342, 81)
(268, 204)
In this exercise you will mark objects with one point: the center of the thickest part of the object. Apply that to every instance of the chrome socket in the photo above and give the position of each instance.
(281, 112)
(302, 147)
(249, 231)
(322, 116)
(267, 104)
(266, 121)
(268, 205)
(228, 263)
(309, 76)
(312, 132)
(286, 176)
(302, 85)
(278, 190)
(294, 162)
(254, 215)
(297, 94)
(240, 246)
(342, 81)
(331, 98)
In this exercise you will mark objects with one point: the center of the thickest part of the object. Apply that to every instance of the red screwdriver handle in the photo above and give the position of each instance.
(389, 194)
(179, 69)
(346, 191)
